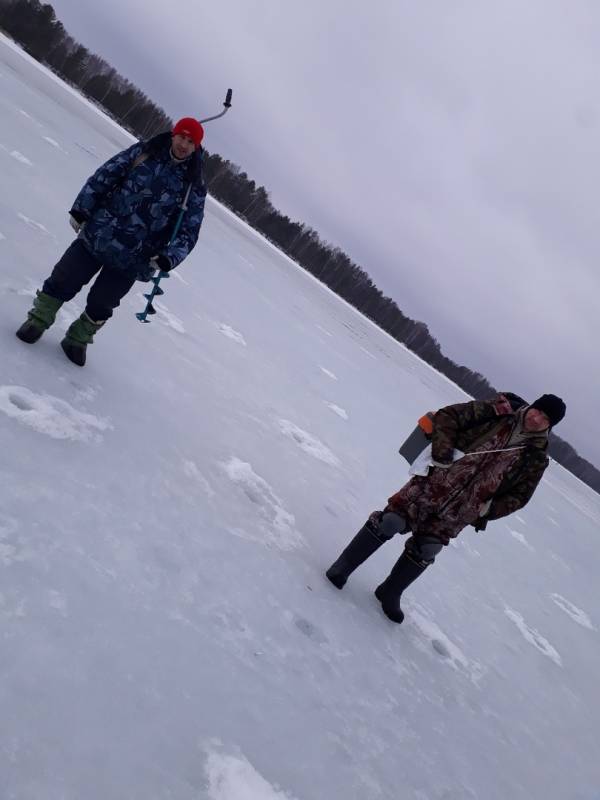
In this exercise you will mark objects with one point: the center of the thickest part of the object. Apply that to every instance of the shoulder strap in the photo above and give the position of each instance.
(139, 160)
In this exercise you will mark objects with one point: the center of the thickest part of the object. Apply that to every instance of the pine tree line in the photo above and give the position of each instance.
(35, 27)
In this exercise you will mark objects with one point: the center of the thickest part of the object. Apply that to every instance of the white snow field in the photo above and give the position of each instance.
(167, 514)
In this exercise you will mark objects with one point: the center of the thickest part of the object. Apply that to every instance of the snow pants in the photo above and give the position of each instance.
(76, 268)
(422, 548)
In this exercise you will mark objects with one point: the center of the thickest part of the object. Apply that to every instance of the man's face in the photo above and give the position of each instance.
(535, 420)
(183, 146)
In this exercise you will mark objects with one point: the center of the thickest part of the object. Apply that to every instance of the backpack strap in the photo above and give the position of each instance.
(138, 160)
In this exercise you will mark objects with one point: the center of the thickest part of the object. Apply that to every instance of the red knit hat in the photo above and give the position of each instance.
(190, 127)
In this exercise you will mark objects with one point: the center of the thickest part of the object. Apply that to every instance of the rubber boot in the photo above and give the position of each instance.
(80, 334)
(364, 544)
(39, 318)
(404, 572)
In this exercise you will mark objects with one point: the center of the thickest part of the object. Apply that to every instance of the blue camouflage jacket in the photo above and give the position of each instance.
(130, 209)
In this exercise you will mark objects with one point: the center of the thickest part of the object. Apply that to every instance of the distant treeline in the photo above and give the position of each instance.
(35, 27)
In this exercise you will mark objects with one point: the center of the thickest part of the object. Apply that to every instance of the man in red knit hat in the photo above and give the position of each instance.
(124, 218)
(187, 137)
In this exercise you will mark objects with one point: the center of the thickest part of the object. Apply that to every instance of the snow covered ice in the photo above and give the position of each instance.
(167, 514)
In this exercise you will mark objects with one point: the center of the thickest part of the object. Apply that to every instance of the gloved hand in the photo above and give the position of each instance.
(485, 507)
(161, 262)
(146, 272)
(482, 520)
(77, 220)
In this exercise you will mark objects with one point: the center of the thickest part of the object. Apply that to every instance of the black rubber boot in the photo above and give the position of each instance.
(39, 318)
(80, 334)
(30, 331)
(364, 544)
(404, 572)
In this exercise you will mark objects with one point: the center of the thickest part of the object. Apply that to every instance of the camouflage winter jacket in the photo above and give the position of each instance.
(446, 500)
(467, 426)
(132, 202)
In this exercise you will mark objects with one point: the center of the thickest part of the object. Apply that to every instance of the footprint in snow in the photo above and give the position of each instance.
(310, 630)
(533, 637)
(576, 614)
(50, 415)
(308, 443)
(277, 523)
(428, 631)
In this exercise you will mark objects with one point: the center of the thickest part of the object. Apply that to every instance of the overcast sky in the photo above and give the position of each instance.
(451, 148)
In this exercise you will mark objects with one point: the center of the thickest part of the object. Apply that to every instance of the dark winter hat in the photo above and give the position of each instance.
(190, 127)
(552, 406)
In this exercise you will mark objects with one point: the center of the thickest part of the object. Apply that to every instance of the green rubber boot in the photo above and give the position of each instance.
(39, 318)
(80, 334)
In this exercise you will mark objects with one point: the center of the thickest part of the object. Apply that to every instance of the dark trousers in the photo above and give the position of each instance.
(423, 548)
(76, 268)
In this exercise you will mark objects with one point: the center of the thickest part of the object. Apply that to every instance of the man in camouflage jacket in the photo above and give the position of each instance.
(125, 216)
(502, 444)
